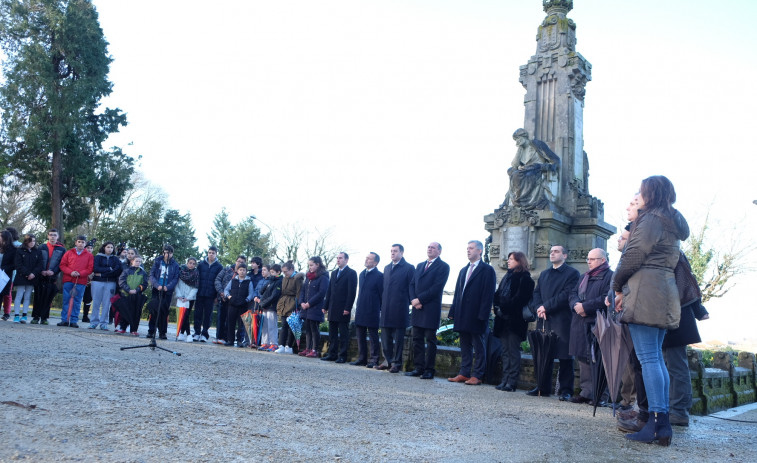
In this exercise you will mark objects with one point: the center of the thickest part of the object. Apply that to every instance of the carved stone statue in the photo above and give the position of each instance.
(534, 167)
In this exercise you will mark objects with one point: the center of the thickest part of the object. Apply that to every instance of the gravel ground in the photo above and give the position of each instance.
(72, 395)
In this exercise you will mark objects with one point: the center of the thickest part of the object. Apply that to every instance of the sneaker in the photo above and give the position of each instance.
(312, 354)
(6, 317)
(182, 337)
(43, 322)
(189, 339)
(23, 318)
(272, 348)
(93, 326)
(163, 336)
(104, 327)
(219, 341)
(16, 319)
(288, 350)
(120, 331)
(150, 336)
(203, 339)
(62, 323)
(304, 352)
(280, 350)
(35, 321)
(133, 333)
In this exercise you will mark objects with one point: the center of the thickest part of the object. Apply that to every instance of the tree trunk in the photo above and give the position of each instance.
(57, 204)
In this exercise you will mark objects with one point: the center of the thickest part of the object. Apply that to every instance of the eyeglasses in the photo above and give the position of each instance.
(589, 259)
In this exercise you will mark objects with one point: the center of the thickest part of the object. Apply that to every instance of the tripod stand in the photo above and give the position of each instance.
(153, 343)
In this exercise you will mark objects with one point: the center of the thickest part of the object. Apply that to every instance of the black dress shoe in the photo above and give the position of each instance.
(427, 375)
(533, 392)
(370, 365)
(228, 344)
(499, 386)
(394, 369)
(414, 373)
(164, 337)
(150, 336)
(340, 361)
(359, 363)
(73, 325)
(509, 388)
(564, 397)
(63, 324)
(579, 399)
(328, 358)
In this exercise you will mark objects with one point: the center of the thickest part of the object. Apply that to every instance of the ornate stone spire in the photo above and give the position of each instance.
(557, 6)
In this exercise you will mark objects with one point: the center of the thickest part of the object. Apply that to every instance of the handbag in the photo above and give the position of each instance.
(528, 314)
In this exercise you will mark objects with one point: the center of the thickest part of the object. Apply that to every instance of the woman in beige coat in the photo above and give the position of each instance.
(290, 290)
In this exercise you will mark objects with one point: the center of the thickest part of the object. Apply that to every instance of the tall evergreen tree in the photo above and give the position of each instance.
(53, 129)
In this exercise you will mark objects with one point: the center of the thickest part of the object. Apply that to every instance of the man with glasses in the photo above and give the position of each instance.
(586, 298)
(552, 308)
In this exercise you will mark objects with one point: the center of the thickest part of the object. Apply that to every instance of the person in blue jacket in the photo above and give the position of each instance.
(164, 276)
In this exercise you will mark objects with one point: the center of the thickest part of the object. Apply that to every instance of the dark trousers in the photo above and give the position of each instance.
(286, 336)
(234, 323)
(339, 339)
(134, 313)
(470, 344)
(161, 317)
(312, 335)
(223, 309)
(566, 377)
(362, 344)
(203, 313)
(510, 359)
(185, 322)
(392, 340)
(424, 349)
(86, 301)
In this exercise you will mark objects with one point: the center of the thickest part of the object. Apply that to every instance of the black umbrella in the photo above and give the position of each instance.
(130, 309)
(615, 344)
(493, 354)
(44, 292)
(598, 376)
(543, 345)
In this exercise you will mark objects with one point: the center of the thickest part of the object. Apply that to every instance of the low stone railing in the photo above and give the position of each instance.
(714, 389)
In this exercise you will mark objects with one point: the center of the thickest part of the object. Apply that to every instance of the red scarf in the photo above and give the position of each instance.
(312, 275)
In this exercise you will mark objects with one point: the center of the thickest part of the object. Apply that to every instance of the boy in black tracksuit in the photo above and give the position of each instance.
(238, 292)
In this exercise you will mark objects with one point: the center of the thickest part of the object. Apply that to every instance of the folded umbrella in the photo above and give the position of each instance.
(44, 292)
(543, 344)
(295, 323)
(247, 322)
(182, 312)
(615, 345)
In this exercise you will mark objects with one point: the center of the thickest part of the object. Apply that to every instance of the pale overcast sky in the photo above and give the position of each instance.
(391, 121)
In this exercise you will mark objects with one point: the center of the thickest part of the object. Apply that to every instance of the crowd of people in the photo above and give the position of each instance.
(652, 290)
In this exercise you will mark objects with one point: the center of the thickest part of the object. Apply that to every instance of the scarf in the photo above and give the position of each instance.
(585, 281)
(312, 275)
(190, 277)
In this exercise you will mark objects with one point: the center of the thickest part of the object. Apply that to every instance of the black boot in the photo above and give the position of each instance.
(663, 430)
(647, 433)
(500, 386)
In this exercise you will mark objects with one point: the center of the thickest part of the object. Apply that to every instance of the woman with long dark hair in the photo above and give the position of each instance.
(28, 267)
(107, 269)
(514, 291)
(312, 297)
(646, 292)
(7, 265)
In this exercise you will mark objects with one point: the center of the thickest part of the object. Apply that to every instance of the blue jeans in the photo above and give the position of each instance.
(647, 341)
(71, 313)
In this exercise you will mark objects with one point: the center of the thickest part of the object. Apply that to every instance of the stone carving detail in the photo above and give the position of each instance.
(563, 6)
(534, 167)
(494, 250)
(578, 83)
(514, 216)
(542, 249)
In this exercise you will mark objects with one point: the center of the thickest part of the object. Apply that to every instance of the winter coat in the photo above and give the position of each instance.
(108, 267)
(224, 277)
(395, 301)
(290, 291)
(340, 296)
(553, 291)
(691, 307)
(270, 297)
(52, 262)
(260, 286)
(370, 291)
(514, 292)
(428, 286)
(208, 273)
(188, 282)
(171, 277)
(645, 271)
(471, 306)
(240, 292)
(133, 278)
(314, 293)
(73, 262)
(594, 300)
(27, 261)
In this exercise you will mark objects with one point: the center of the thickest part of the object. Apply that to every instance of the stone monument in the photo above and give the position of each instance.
(548, 200)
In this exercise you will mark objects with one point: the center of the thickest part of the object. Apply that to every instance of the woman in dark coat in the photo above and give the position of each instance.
(7, 264)
(515, 290)
(646, 292)
(312, 296)
(28, 263)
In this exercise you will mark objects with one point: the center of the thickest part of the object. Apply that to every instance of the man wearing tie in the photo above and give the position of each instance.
(339, 299)
(426, 290)
(471, 305)
(367, 311)
(395, 309)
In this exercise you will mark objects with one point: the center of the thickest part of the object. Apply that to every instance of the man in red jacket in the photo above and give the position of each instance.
(76, 265)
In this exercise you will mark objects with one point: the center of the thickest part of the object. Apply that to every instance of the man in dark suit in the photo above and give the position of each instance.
(471, 305)
(552, 307)
(368, 310)
(395, 309)
(426, 290)
(339, 299)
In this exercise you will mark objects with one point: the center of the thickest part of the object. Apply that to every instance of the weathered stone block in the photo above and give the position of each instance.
(743, 386)
(718, 389)
(698, 399)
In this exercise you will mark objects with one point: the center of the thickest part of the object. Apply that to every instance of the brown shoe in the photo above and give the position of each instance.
(473, 381)
(381, 367)
(458, 379)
